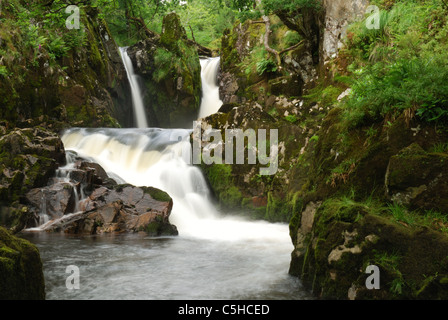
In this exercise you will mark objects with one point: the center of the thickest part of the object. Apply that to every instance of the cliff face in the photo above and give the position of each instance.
(338, 15)
(43, 79)
(286, 95)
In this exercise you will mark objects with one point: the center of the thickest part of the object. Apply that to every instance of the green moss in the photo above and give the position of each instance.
(222, 183)
(158, 228)
(157, 194)
(21, 275)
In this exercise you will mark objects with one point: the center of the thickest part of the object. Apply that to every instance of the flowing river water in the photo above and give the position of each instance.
(215, 256)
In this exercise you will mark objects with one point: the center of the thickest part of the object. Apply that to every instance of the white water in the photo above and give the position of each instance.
(210, 102)
(149, 157)
(137, 102)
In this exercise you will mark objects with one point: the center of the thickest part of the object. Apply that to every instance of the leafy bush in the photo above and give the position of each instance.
(291, 5)
(291, 38)
(419, 85)
(400, 67)
(266, 66)
(4, 71)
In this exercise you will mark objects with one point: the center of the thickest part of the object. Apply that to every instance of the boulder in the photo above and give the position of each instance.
(21, 273)
(336, 240)
(55, 200)
(418, 179)
(123, 209)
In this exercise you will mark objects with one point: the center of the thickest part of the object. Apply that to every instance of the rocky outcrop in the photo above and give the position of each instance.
(171, 73)
(106, 207)
(86, 86)
(21, 273)
(29, 158)
(338, 15)
(336, 241)
(416, 178)
(370, 195)
(123, 209)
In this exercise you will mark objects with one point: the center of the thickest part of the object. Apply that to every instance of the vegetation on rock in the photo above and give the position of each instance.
(21, 276)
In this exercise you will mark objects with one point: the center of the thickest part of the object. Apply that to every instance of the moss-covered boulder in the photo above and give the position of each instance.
(417, 179)
(28, 158)
(171, 72)
(21, 274)
(335, 241)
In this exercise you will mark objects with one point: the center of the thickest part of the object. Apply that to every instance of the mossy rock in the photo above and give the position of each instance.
(157, 194)
(160, 228)
(418, 179)
(21, 274)
(347, 236)
(171, 71)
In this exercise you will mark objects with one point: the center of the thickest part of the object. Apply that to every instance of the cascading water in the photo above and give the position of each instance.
(154, 157)
(210, 102)
(137, 101)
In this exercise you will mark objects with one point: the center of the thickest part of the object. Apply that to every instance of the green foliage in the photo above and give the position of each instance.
(207, 19)
(4, 71)
(291, 118)
(324, 95)
(427, 218)
(266, 66)
(291, 38)
(204, 20)
(163, 59)
(400, 67)
(290, 6)
(417, 84)
(440, 148)
(43, 28)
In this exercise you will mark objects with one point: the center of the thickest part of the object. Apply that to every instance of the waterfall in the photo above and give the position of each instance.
(161, 158)
(137, 101)
(210, 102)
(148, 157)
(155, 157)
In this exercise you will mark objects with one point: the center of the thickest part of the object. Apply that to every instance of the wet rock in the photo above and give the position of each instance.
(55, 200)
(123, 209)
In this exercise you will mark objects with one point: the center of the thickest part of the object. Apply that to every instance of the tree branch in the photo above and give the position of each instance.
(139, 22)
(276, 53)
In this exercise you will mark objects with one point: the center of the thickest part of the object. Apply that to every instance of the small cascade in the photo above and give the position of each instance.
(137, 101)
(62, 180)
(43, 216)
(210, 102)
